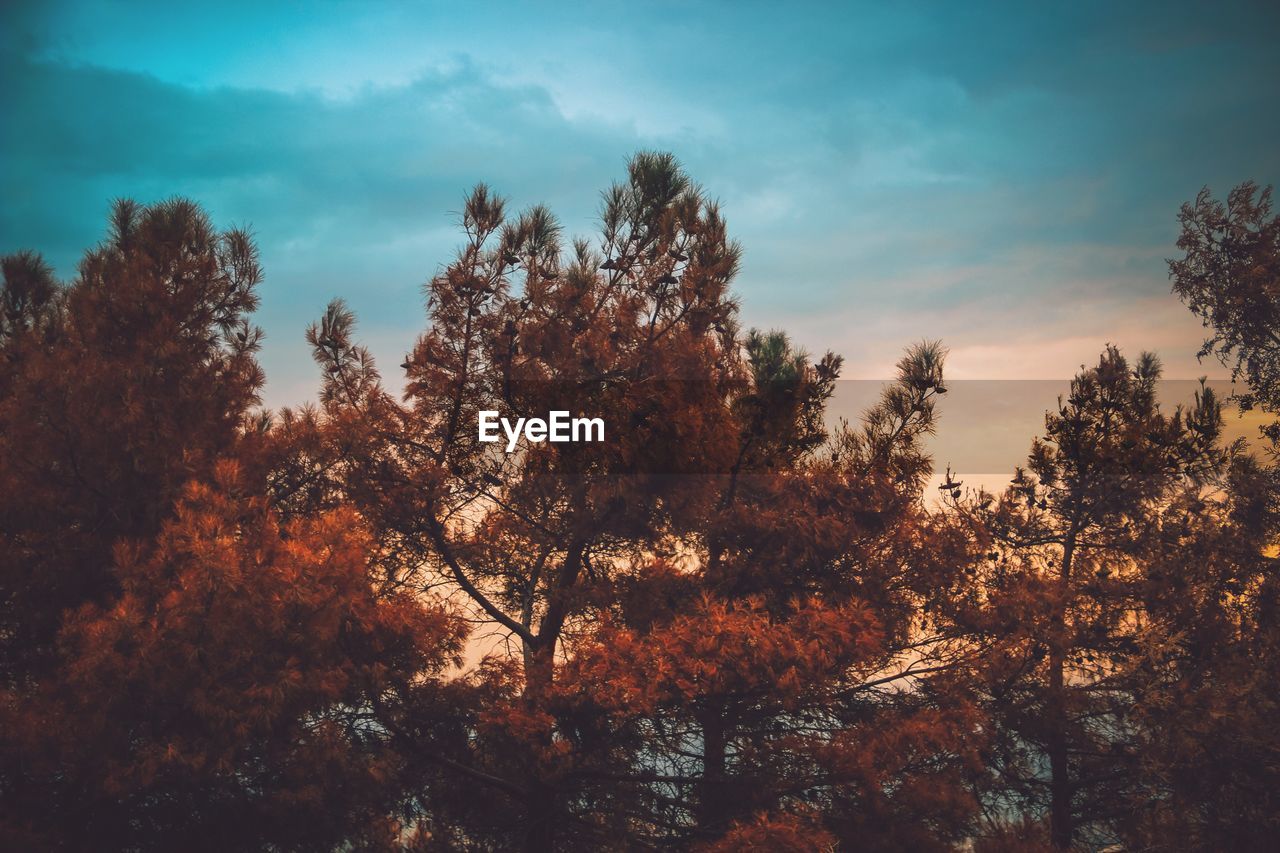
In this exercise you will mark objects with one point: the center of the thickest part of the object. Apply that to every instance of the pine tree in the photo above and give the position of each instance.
(182, 667)
(1206, 738)
(1228, 276)
(1059, 598)
(120, 387)
(690, 528)
(781, 685)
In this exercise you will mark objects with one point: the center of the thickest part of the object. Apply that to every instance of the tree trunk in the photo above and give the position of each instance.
(540, 809)
(540, 834)
(713, 804)
(1060, 829)
(1060, 817)
(542, 812)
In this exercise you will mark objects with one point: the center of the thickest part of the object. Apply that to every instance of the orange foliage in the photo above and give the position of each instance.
(728, 626)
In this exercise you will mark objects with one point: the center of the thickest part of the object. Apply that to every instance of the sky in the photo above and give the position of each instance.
(1005, 178)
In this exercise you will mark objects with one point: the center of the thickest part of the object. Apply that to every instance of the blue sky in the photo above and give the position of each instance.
(1004, 178)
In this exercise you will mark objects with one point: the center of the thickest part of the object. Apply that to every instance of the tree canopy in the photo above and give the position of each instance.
(736, 623)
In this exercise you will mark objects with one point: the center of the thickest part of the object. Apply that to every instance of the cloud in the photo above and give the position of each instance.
(1006, 180)
(346, 196)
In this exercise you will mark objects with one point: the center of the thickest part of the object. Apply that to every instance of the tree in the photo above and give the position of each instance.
(1229, 276)
(182, 666)
(729, 625)
(119, 389)
(690, 525)
(782, 685)
(1204, 734)
(224, 700)
(641, 336)
(1205, 741)
(1059, 598)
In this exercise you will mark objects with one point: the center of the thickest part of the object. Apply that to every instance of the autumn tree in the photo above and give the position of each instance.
(1204, 738)
(119, 389)
(182, 666)
(782, 686)
(1059, 600)
(638, 332)
(1229, 276)
(717, 514)
(1206, 741)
